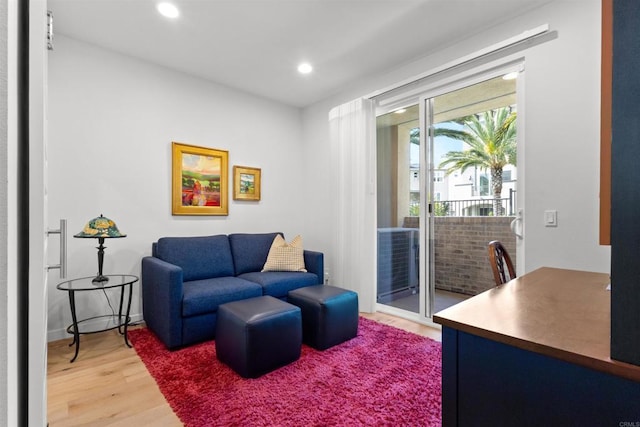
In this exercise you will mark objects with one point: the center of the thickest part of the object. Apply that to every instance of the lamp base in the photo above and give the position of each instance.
(100, 279)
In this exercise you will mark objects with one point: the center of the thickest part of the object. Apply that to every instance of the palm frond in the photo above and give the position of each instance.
(490, 140)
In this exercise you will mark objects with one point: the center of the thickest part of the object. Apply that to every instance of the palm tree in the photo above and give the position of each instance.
(491, 144)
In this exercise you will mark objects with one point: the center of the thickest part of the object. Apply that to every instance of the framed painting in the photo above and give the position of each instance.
(199, 180)
(246, 183)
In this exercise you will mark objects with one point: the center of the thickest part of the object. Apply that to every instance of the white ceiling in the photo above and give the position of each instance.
(256, 45)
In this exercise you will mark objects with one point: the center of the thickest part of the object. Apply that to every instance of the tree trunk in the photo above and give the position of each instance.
(496, 187)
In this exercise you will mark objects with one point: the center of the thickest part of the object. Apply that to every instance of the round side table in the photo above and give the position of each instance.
(101, 323)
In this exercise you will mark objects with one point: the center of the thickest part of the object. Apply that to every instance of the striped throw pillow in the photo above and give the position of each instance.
(285, 256)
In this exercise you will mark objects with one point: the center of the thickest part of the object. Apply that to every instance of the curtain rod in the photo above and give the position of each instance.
(512, 41)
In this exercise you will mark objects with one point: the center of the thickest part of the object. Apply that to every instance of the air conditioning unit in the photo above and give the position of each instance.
(398, 258)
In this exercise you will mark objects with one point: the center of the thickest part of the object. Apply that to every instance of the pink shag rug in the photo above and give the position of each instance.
(384, 376)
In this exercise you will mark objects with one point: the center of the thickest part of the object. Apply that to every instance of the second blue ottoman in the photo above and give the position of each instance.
(257, 335)
(329, 314)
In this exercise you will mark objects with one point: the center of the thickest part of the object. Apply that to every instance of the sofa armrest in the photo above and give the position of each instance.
(162, 299)
(314, 263)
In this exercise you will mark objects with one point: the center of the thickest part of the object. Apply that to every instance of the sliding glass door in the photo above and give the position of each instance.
(444, 194)
(473, 185)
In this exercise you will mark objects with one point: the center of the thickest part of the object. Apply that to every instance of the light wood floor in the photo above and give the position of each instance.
(108, 385)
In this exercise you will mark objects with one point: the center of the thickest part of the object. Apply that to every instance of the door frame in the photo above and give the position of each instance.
(37, 215)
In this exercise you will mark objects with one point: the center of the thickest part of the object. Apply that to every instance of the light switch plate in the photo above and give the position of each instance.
(551, 218)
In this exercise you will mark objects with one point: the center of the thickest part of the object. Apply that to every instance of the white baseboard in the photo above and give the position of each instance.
(59, 334)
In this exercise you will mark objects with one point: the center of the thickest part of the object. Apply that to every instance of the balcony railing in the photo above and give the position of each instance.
(474, 207)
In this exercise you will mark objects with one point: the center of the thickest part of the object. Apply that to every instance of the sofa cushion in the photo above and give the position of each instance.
(199, 257)
(285, 256)
(204, 296)
(250, 250)
(279, 283)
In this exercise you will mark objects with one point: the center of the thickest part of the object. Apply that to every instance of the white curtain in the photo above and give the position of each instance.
(353, 141)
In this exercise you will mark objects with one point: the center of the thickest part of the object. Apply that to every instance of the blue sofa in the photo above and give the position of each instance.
(187, 278)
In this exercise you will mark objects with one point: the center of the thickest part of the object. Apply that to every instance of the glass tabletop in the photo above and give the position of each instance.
(87, 284)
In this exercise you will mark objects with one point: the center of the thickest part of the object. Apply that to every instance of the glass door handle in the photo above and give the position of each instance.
(62, 231)
(514, 225)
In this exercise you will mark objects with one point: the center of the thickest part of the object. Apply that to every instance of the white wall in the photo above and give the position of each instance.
(562, 105)
(112, 121)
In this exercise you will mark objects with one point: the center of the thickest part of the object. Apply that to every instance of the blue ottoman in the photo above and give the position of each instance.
(329, 314)
(258, 335)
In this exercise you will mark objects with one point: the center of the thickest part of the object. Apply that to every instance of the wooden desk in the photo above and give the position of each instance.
(535, 351)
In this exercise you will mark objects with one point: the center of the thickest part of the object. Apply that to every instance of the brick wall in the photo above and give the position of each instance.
(461, 260)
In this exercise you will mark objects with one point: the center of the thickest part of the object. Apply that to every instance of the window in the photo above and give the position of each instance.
(484, 185)
(484, 211)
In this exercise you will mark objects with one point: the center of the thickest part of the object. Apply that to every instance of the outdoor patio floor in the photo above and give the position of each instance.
(444, 299)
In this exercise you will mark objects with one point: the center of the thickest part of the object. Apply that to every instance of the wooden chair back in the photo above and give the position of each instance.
(501, 264)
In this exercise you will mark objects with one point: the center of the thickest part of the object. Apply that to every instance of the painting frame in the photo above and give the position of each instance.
(246, 183)
(189, 162)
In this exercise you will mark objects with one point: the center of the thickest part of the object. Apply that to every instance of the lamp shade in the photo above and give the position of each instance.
(100, 227)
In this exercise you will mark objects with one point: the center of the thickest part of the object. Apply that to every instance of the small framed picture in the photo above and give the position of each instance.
(199, 180)
(246, 183)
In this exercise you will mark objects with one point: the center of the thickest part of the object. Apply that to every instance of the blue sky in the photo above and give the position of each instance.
(442, 145)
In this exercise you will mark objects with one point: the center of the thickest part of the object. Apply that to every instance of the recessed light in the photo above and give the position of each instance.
(305, 68)
(400, 111)
(510, 76)
(168, 10)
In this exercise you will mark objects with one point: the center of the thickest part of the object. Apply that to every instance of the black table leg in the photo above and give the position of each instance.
(126, 322)
(120, 311)
(76, 334)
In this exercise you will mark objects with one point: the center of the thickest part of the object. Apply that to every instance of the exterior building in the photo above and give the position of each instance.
(465, 194)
